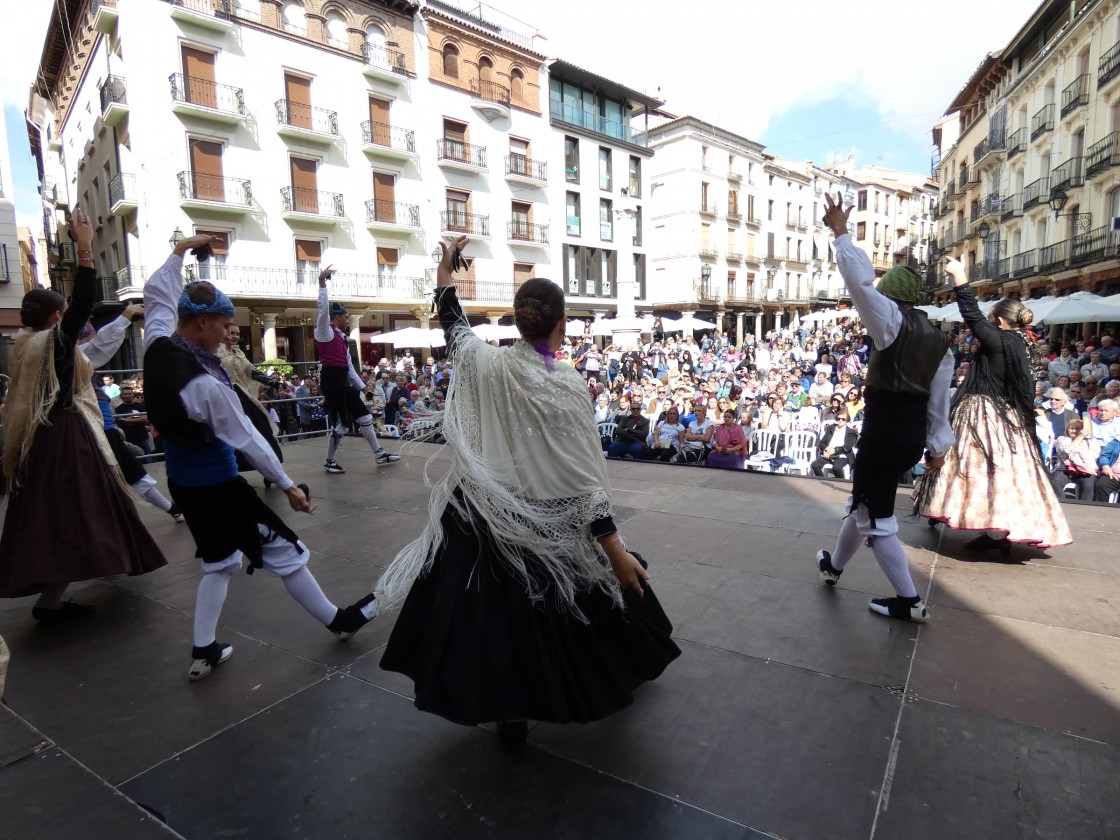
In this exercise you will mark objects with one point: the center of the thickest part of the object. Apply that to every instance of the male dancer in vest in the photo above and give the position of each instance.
(906, 411)
(192, 403)
(339, 382)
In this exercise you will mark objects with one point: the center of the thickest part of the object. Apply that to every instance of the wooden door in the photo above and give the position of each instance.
(384, 197)
(386, 267)
(379, 122)
(198, 81)
(309, 252)
(206, 170)
(305, 190)
(521, 213)
(458, 211)
(455, 140)
(298, 93)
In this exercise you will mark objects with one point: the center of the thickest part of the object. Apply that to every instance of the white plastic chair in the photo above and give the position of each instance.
(764, 443)
(391, 430)
(802, 448)
(419, 428)
(607, 430)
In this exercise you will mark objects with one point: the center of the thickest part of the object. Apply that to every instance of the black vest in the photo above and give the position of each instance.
(908, 366)
(167, 370)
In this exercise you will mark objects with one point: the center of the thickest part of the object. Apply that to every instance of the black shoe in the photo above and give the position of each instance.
(333, 467)
(268, 484)
(175, 513)
(349, 620)
(829, 575)
(384, 457)
(905, 609)
(986, 543)
(206, 659)
(67, 612)
(513, 732)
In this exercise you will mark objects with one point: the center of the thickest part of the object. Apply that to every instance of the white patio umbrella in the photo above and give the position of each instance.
(410, 337)
(1078, 308)
(604, 326)
(495, 332)
(575, 328)
(628, 323)
(686, 324)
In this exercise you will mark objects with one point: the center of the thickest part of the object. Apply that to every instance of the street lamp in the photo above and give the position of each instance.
(1058, 200)
(705, 272)
(983, 231)
(176, 238)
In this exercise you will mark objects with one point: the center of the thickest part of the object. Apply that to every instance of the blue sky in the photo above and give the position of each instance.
(24, 173)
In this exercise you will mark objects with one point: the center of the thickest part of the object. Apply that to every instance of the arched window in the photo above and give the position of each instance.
(517, 85)
(337, 36)
(295, 21)
(451, 61)
(485, 70)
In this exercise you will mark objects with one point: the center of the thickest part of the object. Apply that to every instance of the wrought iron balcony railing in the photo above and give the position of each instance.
(1103, 155)
(312, 202)
(207, 94)
(460, 152)
(455, 221)
(113, 92)
(201, 187)
(1042, 122)
(298, 115)
(1016, 142)
(1025, 263)
(389, 136)
(1075, 94)
(1071, 173)
(526, 167)
(122, 188)
(1012, 206)
(490, 92)
(1054, 257)
(392, 212)
(1109, 66)
(385, 58)
(522, 231)
(1035, 192)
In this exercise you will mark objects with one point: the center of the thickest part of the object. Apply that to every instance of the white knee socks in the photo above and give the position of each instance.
(147, 490)
(892, 560)
(847, 543)
(208, 603)
(369, 434)
(305, 589)
(334, 438)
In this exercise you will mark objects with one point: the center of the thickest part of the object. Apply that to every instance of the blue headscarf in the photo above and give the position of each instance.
(222, 305)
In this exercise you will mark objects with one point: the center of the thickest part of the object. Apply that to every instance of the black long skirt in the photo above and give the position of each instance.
(479, 650)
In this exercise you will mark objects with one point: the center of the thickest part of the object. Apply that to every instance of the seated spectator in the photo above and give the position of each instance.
(603, 411)
(668, 435)
(1059, 413)
(844, 386)
(697, 438)
(1111, 392)
(1106, 425)
(1090, 389)
(1095, 368)
(854, 404)
(820, 391)
(1108, 481)
(729, 444)
(835, 406)
(630, 435)
(837, 444)
(1113, 374)
(1075, 401)
(1075, 460)
(773, 417)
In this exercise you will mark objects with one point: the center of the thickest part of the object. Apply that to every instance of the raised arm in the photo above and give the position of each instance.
(85, 283)
(100, 349)
(323, 330)
(162, 291)
(446, 302)
(986, 333)
(880, 315)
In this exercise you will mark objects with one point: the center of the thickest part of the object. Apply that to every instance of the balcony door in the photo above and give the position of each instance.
(297, 91)
(387, 267)
(521, 213)
(215, 267)
(522, 272)
(198, 77)
(379, 121)
(455, 140)
(206, 170)
(519, 157)
(458, 211)
(309, 253)
(305, 187)
(384, 196)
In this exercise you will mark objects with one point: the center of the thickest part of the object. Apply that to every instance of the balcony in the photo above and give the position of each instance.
(1054, 257)
(114, 103)
(479, 291)
(1012, 207)
(105, 15)
(1016, 142)
(962, 230)
(459, 223)
(523, 170)
(1109, 66)
(950, 198)
(1070, 174)
(734, 216)
(252, 281)
(708, 252)
(1103, 155)
(992, 205)
(205, 14)
(311, 207)
(796, 263)
(490, 99)
(384, 64)
(303, 122)
(130, 281)
(1096, 245)
(734, 257)
(392, 217)
(1025, 264)
(706, 291)
(123, 199)
(1042, 122)
(734, 177)
(214, 194)
(753, 220)
(1002, 269)
(993, 144)
(206, 100)
(388, 141)
(1036, 193)
(1075, 95)
(455, 154)
(589, 121)
(708, 209)
(962, 180)
(526, 234)
(978, 272)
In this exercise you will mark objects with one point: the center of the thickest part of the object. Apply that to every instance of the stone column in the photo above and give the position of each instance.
(739, 337)
(686, 314)
(356, 329)
(777, 320)
(758, 326)
(268, 334)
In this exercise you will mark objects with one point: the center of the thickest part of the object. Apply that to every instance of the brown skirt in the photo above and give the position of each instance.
(994, 480)
(70, 519)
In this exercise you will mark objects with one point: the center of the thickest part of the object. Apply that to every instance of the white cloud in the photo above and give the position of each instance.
(23, 28)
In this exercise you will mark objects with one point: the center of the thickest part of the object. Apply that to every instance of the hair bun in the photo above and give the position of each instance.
(1026, 317)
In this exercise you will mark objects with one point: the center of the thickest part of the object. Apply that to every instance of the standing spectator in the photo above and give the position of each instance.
(110, 387)
(837, 444)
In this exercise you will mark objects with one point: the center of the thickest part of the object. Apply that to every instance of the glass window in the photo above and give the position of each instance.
(573, 214)
(638, 225)
(571, 160)
(862, 205)
(571, 270)
(635, 177)
(604, 168)
(606, 220)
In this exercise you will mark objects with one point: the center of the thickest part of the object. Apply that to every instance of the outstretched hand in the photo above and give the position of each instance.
(197, 241)
(835, 216)
(955, 268)
(325, 275)
(79, 229)
(446, 270)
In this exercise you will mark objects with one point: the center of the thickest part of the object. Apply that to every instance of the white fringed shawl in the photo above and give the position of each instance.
(527, 456)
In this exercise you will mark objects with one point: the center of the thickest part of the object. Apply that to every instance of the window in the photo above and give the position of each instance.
(485, 70)
(606, 220)
(635, 177)
(705, 204)
(861, 231)
(519, 156)
(770, 208)
(638, 226)
(731, 241)
(750, 208)
(704, 158)
(215, 267)
(455, 141)
(337, 36)
(604, 168)
(521, 219)
(770, 253)
(876, 201)
(522, 272)
(517, 86)
(458, 210)
(308, 254)
(590, 272)
(706, 238)
(862, 200)
(571, 160)
(887, 204)
(295, 21)
(731, 284)
(451, 61)
(387, 259)
(732, 202)
(640, 276)
(573, 215)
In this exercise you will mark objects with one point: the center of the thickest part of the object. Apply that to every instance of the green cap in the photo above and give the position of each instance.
(902, 284)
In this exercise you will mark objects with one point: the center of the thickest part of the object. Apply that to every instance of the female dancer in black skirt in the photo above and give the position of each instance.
(522, 601)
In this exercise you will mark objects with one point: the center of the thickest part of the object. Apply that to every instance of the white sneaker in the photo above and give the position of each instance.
(206, 659)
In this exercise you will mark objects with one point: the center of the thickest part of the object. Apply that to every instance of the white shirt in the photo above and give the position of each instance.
(326, 331)
(205, 399)
(837, 439)
(108, 340)
(882, 318)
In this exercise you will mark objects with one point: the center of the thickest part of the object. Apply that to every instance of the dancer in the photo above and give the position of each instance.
(100, 345)
(192, 403)
(994, 477)
(244, 377)
(522, 600)
(340, 383)
(907, 410)
(57, 458)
